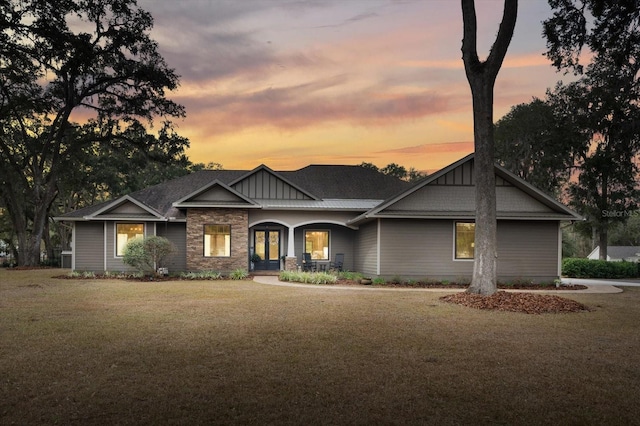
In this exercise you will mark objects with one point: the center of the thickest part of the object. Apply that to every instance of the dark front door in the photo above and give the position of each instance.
(267, 246)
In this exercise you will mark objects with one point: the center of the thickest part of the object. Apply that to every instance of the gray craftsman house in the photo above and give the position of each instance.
(384, 226)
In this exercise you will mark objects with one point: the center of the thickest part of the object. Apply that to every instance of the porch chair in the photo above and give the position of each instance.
(308, 265)
(338, 263)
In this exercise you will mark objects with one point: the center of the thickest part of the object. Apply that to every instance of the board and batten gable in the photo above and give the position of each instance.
(264, 184)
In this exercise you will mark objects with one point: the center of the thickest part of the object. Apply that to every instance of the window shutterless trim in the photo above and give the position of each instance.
(204, 235)
(115, 236)
(455, 241)
(304, 242)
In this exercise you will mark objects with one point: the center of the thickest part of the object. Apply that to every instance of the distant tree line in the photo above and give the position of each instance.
(581, 142)
(395, 170)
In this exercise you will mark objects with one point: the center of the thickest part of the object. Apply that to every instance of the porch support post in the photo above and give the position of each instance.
(291, 252)
(291, 262)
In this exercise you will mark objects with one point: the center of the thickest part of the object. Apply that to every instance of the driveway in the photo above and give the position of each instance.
(629, 282)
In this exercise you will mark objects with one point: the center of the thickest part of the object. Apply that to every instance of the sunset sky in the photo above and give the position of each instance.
(289, 83)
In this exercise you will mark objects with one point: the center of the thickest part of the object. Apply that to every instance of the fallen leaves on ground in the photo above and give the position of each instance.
(527, 303)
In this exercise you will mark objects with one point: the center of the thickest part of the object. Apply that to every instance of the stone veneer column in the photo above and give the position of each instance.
(291, 263)
(238, 219)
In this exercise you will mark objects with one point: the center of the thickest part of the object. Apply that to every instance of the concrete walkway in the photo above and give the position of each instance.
(593, 286)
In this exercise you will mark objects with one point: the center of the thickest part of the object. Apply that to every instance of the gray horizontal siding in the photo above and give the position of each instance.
(419, 249)
(527, 250)
(177, 234)
(366, 249)
(424, 249)
(89, 246)
(217, 193)
(462, 198)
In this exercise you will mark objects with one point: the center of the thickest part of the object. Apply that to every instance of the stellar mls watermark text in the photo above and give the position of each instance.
(620, 213)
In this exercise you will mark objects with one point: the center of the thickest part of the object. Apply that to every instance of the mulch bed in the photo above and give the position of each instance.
(439, 285)
(528, 303)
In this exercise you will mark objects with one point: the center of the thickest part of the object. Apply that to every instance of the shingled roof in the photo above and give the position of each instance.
(324, 181)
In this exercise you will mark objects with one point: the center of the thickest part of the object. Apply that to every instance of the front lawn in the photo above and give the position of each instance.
(94, 352)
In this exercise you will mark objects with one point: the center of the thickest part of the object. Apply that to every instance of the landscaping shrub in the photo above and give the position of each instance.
(349, 275)
(239, 274)
(308, 277)
(147, 254)
(588, 268)
(201, 275)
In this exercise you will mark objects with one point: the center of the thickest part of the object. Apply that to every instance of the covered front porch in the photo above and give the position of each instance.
(275, 246)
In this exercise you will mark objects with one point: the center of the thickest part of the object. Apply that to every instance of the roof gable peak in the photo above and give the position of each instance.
(265, 183)
(217, 194)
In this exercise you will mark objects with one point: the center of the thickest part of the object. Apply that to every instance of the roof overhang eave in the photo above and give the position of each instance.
(218, 206)
(463, 216)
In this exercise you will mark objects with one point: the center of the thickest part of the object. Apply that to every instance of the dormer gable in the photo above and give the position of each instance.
(215, 194)
(264, 183)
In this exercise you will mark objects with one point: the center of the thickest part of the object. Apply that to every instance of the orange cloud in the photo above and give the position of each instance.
(431, 148)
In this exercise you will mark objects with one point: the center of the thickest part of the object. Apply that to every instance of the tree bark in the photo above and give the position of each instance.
(481, 77)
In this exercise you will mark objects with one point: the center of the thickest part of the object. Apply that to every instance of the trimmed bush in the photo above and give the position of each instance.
(588, 268)
(147, 254)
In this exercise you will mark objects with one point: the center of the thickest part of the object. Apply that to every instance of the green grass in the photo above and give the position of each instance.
(95, 352)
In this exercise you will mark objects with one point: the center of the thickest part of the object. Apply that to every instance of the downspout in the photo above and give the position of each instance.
(559, 249)
(378, 239)
(73, 247)
(104, 239)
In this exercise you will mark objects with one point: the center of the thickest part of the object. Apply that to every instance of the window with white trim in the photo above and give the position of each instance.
(465, 238)
(126, 232)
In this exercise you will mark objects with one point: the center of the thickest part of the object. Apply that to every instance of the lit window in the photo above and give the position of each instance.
(317, 243)
(217, 240)
(465, 239)
(126, 232)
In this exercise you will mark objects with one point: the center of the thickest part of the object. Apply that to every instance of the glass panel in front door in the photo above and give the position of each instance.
(274, 245)
(260, 244)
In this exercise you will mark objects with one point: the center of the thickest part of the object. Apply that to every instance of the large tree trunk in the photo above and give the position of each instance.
(29, 217)
(481, 77)
(484, 279)
(603, 236)
(603, 223)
